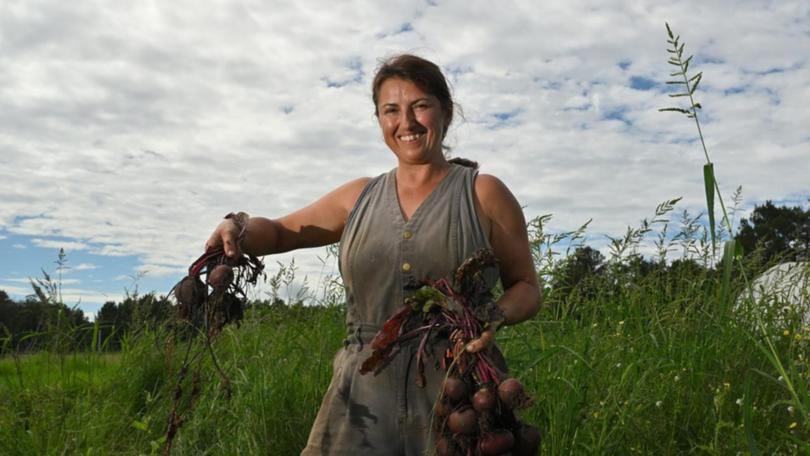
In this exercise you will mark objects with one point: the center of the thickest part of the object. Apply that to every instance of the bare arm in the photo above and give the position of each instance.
(320, 223)
(510, 242)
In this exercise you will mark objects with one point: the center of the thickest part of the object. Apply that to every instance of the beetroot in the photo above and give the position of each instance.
(455, 389)
(190, 293)
(464, 421)
(527, 441)
(510, 391)
(442, 409)
(446, 447)
(220, 277)
(495, 443)
(483, 400)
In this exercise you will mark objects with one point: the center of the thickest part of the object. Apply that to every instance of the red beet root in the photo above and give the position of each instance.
(446, 447)
(220, 277)
(527, 441)
(463, 421)
(483, 400)
(510, 391)
(455, 389)
(442, 409)
(190, 293)
(495, 443)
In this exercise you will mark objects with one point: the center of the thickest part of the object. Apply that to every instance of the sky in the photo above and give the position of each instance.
(126, 133)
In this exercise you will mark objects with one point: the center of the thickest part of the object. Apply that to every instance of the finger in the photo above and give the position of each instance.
(482, 342)
(214, 241)
(229, 244)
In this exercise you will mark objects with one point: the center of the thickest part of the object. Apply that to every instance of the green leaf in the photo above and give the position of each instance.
(674, 62)
(676, 82)
(708, 181)
(748, 417)
(738, 250)
(728, 263)
(141, 425)
(428, 305)
(686, 63)
(698, 106)
(696, 78)
(673, 95)
(679, 73)
(669, 30)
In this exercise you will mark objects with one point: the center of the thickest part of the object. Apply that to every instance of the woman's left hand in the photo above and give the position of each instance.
(483, 341)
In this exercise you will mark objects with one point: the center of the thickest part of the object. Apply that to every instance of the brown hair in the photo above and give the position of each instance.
(424, 73)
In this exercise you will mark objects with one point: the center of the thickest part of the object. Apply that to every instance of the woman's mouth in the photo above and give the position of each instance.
(411, 138)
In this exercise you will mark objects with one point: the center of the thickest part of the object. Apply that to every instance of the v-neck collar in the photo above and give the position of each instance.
(431, 196)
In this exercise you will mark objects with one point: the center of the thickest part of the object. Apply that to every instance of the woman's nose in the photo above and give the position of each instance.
(409, 117)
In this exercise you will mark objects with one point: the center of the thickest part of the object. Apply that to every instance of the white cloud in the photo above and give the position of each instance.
(27, 280)
(54, 244)
(20, 246)
(159, 270)
(84, 267)
(139, 128)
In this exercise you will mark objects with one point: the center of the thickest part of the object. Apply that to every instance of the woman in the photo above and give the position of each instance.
(418, 221)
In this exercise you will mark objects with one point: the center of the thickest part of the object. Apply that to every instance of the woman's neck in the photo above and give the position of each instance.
(422, 174)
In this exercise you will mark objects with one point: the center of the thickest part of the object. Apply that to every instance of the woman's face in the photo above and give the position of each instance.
(412, 121)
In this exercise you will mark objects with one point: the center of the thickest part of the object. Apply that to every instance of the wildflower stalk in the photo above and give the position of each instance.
(733, 250)
(691, 85)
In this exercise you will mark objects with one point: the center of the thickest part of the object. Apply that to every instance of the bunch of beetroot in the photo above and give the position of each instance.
(227, 278)
(474, 418)
(475, 412)
(201, 310)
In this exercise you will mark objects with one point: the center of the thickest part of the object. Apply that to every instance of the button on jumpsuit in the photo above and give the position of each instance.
(380, 253)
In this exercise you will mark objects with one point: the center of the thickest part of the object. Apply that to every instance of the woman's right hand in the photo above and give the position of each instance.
(226, 235)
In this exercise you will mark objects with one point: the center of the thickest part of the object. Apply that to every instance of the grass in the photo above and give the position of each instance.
(649, 368)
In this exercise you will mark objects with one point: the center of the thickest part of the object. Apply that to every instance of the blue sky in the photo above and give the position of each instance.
(126, 134)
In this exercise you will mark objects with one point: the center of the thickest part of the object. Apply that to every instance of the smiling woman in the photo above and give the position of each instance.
(416, 222)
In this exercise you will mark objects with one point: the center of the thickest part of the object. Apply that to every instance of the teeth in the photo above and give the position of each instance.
(410, 137)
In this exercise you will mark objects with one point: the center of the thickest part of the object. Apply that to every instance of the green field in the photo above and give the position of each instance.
(654, 366)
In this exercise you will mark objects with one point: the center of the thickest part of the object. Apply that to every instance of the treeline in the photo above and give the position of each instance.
(35, 324)
(38, 323)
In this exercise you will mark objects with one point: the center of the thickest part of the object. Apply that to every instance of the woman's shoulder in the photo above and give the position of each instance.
(489, 185)
(492, 194)
(350, 192)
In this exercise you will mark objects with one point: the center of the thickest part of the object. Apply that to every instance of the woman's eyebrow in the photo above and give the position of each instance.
(396, 105)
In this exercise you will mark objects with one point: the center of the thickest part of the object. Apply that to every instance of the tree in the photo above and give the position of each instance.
(8, 313)
(575, 275)
(578, 266)
(776, 233)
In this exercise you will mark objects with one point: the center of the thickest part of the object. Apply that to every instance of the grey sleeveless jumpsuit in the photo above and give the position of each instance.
(380, 252)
